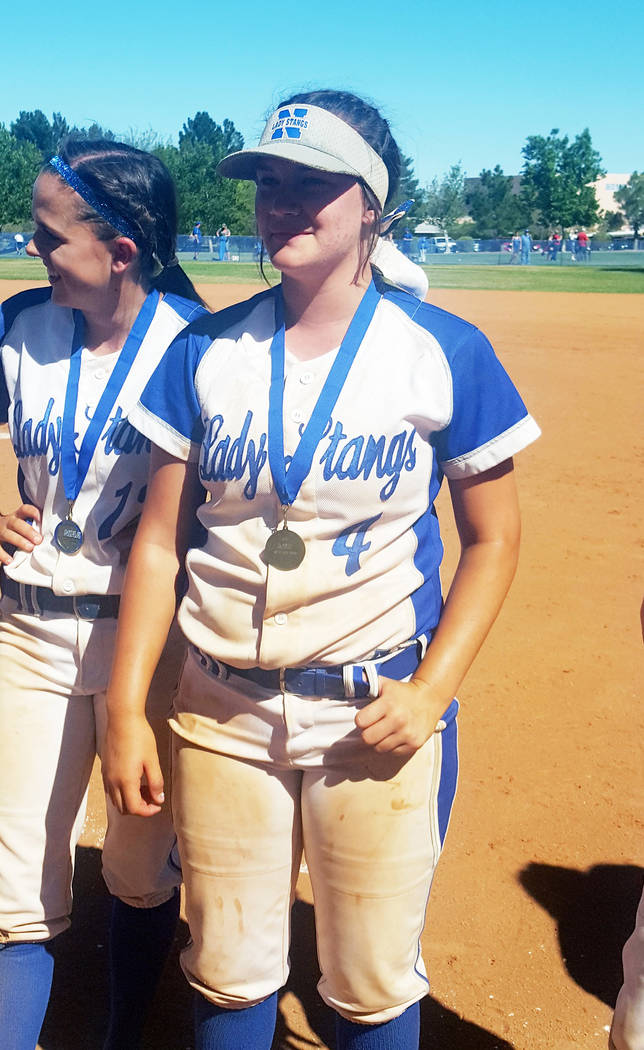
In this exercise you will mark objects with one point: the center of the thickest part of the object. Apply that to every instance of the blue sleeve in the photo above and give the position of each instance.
(169, 413)
(9, 311)
(11, 307)
(489, 421)
(4, 396)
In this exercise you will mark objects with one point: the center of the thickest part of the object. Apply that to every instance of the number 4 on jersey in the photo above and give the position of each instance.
(352, 551)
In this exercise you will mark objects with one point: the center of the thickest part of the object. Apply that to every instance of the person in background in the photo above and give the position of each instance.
(196, 238)
(583, 246)
(526, 247)
(223, 233)
(554, 245)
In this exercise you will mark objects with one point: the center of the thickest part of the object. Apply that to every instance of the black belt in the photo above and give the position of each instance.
(339, 681)
(38, 600)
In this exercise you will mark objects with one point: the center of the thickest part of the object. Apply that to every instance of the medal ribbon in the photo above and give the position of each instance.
(75, 470)
(288, 480)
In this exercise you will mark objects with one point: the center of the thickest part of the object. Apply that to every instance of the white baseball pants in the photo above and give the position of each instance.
(627, 1032)
(256, 776)
(53, 675)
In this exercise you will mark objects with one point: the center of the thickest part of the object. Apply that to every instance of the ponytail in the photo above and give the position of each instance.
(175, 280)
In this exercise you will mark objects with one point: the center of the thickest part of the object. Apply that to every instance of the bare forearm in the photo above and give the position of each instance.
(486, 511)
(147, 610)
(149, 596)
(131, 770)
(481, 582)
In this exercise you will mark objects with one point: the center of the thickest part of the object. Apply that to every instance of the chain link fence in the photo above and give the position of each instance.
(211, 248)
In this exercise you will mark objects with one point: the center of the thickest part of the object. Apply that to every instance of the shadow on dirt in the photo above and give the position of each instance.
(595, 913)
(77, 1015)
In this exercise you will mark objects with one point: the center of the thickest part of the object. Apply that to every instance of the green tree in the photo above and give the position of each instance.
(556, 180)
(20, 162)
(631, 200)
(612, 220)
(94, 131)
(221, 139)
(445, 199)
(204, 195)
(33, 126)
(59, 130)
(409, 188)
(201, 193)
(495, 209)
(148, 139)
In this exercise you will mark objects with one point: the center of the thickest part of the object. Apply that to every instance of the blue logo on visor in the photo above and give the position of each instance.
(290, 124)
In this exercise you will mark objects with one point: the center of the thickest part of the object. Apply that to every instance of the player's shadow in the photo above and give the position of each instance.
(440, 1027)
(78, 1009)
(595, 913)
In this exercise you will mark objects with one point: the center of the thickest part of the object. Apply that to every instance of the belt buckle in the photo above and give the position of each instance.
(86, 608)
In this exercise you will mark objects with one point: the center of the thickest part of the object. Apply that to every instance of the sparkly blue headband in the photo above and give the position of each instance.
(99, 204)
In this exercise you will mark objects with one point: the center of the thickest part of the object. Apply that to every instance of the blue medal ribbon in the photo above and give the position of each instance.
(75, 469)
(288, 480)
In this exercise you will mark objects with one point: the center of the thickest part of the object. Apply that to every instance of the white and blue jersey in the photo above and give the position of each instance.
(35, 347)
(426, 397)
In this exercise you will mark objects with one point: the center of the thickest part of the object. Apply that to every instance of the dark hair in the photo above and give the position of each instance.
(139, 188)
(374, 129)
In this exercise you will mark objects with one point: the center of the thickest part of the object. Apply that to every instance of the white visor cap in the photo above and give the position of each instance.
(318, 139)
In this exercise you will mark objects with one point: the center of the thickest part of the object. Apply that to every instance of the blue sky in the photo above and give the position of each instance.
(463, 81)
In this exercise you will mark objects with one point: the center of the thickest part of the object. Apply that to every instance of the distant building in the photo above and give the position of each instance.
(607, 187)
(605, 190)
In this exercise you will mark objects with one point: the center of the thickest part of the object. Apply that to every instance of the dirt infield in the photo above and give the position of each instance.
(538, 884)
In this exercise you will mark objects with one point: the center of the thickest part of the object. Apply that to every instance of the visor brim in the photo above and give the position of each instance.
(243, 164)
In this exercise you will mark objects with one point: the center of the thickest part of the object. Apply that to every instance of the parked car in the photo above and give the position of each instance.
(441, 244)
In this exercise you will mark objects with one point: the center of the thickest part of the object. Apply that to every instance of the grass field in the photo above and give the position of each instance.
(494, 278)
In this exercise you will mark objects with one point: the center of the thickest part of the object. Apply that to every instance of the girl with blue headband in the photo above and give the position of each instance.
(316, 707)
(74, 359)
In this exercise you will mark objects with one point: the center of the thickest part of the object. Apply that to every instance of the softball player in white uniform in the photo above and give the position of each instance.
(74, 359)
(316, 706)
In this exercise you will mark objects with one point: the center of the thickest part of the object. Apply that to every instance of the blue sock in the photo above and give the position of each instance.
(26, 971)
(140, 939)
(220, 1029)
(401, 1033)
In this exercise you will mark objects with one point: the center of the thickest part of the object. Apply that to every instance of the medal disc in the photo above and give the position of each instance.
(68, 536)
(284, 550)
